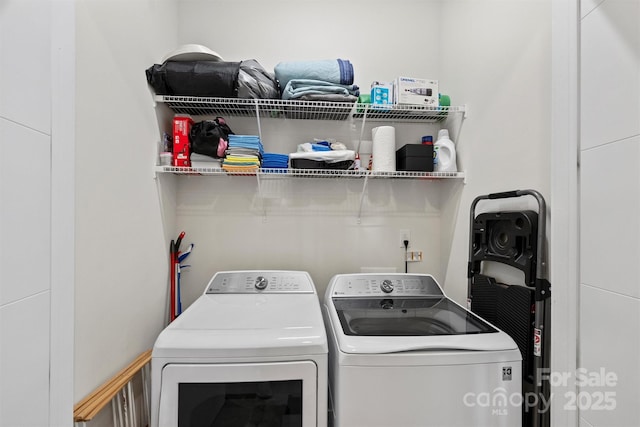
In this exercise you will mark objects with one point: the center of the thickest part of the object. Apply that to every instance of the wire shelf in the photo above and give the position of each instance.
(304, 110)
(309, 173)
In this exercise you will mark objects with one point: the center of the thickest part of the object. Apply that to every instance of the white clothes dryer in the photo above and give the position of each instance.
(403, 354)
(250, 351)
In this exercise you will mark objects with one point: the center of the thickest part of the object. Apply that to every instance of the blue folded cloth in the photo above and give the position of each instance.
(301, 87)
(275, 161)
(234, 137)
(320, 147)
(244, 143)
(244, 140)
(276, 156)
(338, 71)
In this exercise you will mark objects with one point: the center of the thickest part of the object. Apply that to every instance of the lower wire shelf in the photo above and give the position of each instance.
(265, 174)
(309, 173)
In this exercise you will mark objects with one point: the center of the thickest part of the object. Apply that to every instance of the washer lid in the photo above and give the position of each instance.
(384, 317)
(390, 313)
(378, 326)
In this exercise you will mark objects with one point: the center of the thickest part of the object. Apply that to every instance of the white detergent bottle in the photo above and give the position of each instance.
(444, 153)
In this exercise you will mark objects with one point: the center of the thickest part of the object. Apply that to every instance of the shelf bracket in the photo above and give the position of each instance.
(364, 190)
(462, 119)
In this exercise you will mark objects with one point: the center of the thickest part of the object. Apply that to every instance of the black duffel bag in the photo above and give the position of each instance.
(205, 137)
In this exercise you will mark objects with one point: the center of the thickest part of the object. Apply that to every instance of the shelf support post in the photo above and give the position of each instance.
(264, 208)
(364, 190)
(258, 118)
(364, 120)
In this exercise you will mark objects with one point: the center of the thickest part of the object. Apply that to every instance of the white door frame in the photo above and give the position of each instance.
(61, 399)
(564, 229)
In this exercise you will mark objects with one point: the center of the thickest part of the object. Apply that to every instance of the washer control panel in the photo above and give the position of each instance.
(255, 282)
(406, 285)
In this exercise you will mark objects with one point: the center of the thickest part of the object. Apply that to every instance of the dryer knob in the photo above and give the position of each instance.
(261, 282)
(386, 286)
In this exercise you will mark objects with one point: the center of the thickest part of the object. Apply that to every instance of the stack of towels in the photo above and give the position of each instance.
(324, 80)
(322, 154)
(275, 161)
(244, 154)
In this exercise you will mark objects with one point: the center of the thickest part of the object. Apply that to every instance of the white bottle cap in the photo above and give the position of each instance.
(443, 133)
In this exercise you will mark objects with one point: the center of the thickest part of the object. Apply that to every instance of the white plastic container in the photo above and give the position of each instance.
(444, 153)
(166, 158)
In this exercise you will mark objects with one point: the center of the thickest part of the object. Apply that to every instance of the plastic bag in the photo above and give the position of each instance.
(254, 82)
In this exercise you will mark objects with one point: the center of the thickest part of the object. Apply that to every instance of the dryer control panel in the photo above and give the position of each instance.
(254, 282)
(359, 285)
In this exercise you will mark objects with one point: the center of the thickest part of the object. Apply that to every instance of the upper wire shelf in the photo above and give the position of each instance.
(304, 110)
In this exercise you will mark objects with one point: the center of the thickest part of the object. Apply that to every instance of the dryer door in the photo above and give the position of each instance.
(235, 395)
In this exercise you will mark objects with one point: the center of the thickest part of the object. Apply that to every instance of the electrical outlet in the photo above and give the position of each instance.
(405, 234)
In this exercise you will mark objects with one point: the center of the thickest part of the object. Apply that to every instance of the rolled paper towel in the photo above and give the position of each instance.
(383, 151)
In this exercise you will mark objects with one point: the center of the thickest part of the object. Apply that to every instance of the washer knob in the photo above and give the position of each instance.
(386, 286)
(386, 304)
(261, 282)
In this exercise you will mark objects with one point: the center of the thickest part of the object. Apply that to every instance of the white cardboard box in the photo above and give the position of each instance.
(409, 90)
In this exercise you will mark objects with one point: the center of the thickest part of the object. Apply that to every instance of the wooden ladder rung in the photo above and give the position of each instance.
(93, 403)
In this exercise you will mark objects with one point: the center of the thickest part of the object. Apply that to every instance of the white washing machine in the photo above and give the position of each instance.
(403, 354)
(251, 351)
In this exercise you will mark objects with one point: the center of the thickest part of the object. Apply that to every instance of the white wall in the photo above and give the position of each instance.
(497, 58)
(121, 253)
(503, 143)
(25, 212)
(313, 225)
(380, 38)
(609, 336)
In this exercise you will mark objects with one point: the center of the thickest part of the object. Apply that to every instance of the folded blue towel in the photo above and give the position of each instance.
(338, 71)
(276, 156)
(301, 87)
(268, 165)
(320, 147)
(275, 161)
(245, 143)
(244, 137)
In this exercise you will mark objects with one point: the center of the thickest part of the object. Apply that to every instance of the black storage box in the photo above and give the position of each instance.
(415, 158)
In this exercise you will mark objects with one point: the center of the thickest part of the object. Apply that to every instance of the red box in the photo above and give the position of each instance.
(181, 129)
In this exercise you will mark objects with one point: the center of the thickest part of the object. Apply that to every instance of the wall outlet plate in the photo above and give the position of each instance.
(414, 256)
